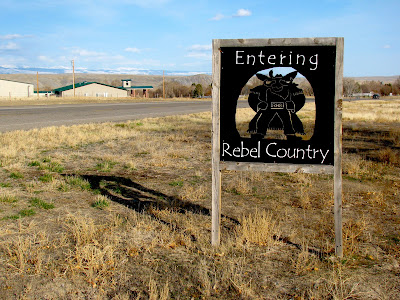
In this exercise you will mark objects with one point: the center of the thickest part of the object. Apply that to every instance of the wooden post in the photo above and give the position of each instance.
(73, 76)
(338, 148)
(37, 84)
(216, 172)
(163, 84)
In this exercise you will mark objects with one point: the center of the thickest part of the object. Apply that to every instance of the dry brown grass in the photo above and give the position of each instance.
(122, 211)
(79, 100)
(382, 111)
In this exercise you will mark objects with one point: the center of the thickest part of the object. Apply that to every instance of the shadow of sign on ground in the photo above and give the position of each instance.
(145, 200)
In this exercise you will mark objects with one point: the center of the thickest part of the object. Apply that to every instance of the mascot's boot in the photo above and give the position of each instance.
(293, 138)
(257, 136)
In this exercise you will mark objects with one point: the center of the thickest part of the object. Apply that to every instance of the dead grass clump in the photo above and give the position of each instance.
(305, 262)
(335, 284)
(258, 228)
(194, 193)
(96, 263)
(239, 184)
(357, 167)
(94, 252)
(82, 229)
(353, 236)
(303, 198)
(158, 293)
(27, 254)
(375, 198)
(7, 196)
(389, 156)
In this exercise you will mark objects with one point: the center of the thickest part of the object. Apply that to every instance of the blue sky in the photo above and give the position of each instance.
(175, 35)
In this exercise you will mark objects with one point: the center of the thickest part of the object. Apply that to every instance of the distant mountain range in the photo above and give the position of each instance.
(52, 78)
(64, 70)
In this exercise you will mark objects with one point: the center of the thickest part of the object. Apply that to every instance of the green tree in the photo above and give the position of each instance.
(198, 91)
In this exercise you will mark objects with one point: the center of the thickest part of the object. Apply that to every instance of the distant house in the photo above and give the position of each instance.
(91, 89)
(44, 93)
(127, 84)
(13, 89)
(370, 94)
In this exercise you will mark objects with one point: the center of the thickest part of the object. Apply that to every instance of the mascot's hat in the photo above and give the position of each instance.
(288, 77)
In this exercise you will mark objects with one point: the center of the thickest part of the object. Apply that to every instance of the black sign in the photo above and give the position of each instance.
(276, 102)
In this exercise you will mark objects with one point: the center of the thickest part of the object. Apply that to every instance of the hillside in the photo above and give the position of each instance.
(384, 79)
(52, 81)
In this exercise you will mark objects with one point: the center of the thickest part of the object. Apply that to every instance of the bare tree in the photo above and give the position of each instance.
(306, 87)
(173, 89)
(371, 86)
(396, 86)
(350, 87)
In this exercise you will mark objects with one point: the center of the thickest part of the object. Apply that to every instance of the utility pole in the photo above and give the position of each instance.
(37, 84)
(73, 76)
(163, 84)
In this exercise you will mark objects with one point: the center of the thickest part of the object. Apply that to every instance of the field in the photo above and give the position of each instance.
(80, 100)
(122, 211)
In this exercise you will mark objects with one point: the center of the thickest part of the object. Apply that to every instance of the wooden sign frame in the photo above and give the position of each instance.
(240, 46)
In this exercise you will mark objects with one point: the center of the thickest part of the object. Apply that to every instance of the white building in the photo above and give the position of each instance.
(15, 89)
(127, 84)
(91, 89)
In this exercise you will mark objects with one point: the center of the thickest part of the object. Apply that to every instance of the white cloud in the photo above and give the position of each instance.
(200, 51)
(240, 13)
(147, 3)
(133, 50)
(218, 17)
(10, 36)
(84, 52)
(200, 48)
(13, 36)
(243, 13)
(199, 55)
(8, 66)
(45, 58)
(9, 46)
(387, 47)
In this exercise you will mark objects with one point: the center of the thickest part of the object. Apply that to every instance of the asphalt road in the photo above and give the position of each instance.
(29, 117)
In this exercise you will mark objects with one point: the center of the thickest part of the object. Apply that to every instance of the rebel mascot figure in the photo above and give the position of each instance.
(276, 103)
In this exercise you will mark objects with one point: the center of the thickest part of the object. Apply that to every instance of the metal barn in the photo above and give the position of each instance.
(15, 89)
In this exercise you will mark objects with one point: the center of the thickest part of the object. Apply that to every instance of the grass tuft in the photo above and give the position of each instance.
(78, 182)
(258, 228)
(21, 214)
(176, 183)
(39, 203)
(16, 175)
(46, 178)
(8, 198)
(101, 202)
(105, 166)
